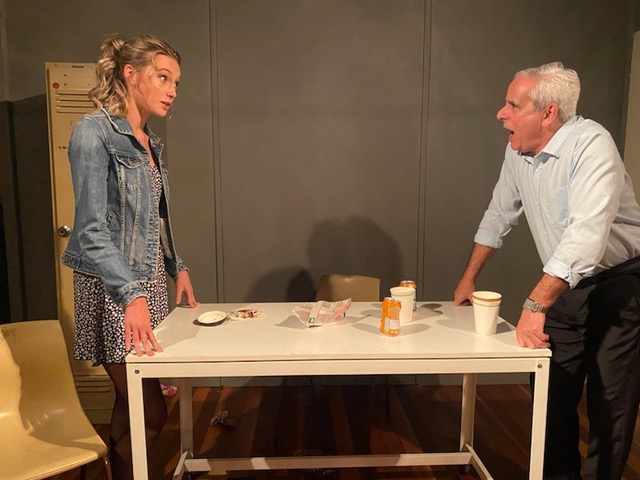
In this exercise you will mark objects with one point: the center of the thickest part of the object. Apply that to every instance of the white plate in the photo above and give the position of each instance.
(214, 317)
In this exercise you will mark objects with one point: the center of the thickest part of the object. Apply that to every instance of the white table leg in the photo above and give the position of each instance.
(469, 381)
(539, 418)
(186, 416)
(136, 419)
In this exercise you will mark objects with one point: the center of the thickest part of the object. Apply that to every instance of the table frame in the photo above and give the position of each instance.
(468, 367)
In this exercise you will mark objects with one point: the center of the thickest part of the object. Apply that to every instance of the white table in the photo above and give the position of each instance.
(439, 340)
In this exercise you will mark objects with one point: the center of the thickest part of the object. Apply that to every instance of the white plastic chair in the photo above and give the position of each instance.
(43, 428)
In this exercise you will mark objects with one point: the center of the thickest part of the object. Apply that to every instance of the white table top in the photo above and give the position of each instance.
(439, 330)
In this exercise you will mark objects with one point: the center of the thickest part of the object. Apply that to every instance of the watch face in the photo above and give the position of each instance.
(533, 306)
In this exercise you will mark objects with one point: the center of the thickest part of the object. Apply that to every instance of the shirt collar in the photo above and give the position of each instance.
(554, 146)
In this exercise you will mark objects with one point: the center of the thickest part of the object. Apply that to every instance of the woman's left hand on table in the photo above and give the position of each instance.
(184, 287)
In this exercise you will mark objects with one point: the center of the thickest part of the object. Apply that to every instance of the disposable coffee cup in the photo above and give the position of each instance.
(486, 307)
(405, 296)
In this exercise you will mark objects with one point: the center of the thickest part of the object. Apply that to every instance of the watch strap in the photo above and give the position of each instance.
(533, 306)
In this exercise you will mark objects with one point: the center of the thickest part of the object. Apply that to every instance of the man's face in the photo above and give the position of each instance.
(521, 118)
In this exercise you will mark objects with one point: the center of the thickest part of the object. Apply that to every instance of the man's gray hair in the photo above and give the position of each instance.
(555, 83)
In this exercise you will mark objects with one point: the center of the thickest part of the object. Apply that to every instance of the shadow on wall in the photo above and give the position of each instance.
(356, 246)
(290, 284)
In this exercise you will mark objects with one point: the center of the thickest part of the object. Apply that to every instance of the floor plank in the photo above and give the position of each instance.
(354, 419)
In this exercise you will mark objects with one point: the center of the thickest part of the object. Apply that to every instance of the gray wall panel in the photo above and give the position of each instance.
(319, 142)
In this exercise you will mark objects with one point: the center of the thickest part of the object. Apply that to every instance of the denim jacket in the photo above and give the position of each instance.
(118, 224)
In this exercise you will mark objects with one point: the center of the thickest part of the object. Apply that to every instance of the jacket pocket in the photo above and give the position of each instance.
(112, 221)
(133, 208)
(129, 167)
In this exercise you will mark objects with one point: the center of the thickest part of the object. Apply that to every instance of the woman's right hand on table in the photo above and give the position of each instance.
(137, 328)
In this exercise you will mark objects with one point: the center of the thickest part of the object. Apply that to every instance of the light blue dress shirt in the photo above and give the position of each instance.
(578, 201)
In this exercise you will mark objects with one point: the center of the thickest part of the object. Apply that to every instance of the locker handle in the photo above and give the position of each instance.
(64, 230)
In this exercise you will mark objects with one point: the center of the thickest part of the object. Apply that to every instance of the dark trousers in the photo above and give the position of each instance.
(594, 332)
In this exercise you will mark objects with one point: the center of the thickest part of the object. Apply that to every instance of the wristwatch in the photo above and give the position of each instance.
(534, 306)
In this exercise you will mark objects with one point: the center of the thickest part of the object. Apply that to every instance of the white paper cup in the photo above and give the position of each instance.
(405, 296)
(486, 307)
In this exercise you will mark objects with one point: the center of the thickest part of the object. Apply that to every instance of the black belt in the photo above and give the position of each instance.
(630, 266)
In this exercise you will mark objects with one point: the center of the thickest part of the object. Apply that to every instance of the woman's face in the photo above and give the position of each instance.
(154, 88)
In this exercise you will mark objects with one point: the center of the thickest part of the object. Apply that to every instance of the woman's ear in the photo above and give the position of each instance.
(129, 75)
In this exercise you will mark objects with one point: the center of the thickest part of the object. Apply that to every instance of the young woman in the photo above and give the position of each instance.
(122, 244)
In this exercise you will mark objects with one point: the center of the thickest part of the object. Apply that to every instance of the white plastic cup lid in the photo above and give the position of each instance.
(402, 291)
(487, 297)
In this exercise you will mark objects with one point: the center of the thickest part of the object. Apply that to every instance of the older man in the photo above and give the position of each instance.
(564, 172)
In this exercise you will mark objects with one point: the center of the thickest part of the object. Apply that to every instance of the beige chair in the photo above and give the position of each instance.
(359, 288)
(43, 429)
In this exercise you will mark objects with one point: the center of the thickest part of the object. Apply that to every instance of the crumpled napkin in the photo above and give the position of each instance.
(322, 313)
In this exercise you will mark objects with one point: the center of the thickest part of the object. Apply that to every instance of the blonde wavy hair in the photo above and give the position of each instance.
(110, 91)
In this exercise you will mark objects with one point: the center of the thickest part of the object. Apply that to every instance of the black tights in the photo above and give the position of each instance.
(155, 411)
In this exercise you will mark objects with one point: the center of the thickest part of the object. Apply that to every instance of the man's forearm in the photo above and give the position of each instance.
(548, 289)
(480, 255)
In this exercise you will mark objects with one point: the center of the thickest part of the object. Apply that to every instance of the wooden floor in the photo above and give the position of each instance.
(285, 421)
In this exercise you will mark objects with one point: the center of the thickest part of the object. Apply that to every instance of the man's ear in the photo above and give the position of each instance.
(550, 113)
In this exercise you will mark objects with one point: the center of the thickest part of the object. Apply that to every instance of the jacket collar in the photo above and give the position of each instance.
(122, 125)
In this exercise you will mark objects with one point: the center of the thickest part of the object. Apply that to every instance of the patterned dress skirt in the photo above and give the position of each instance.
(99, 321)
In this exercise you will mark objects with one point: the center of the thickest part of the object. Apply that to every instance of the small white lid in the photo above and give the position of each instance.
(213, 316)
(402, 291)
